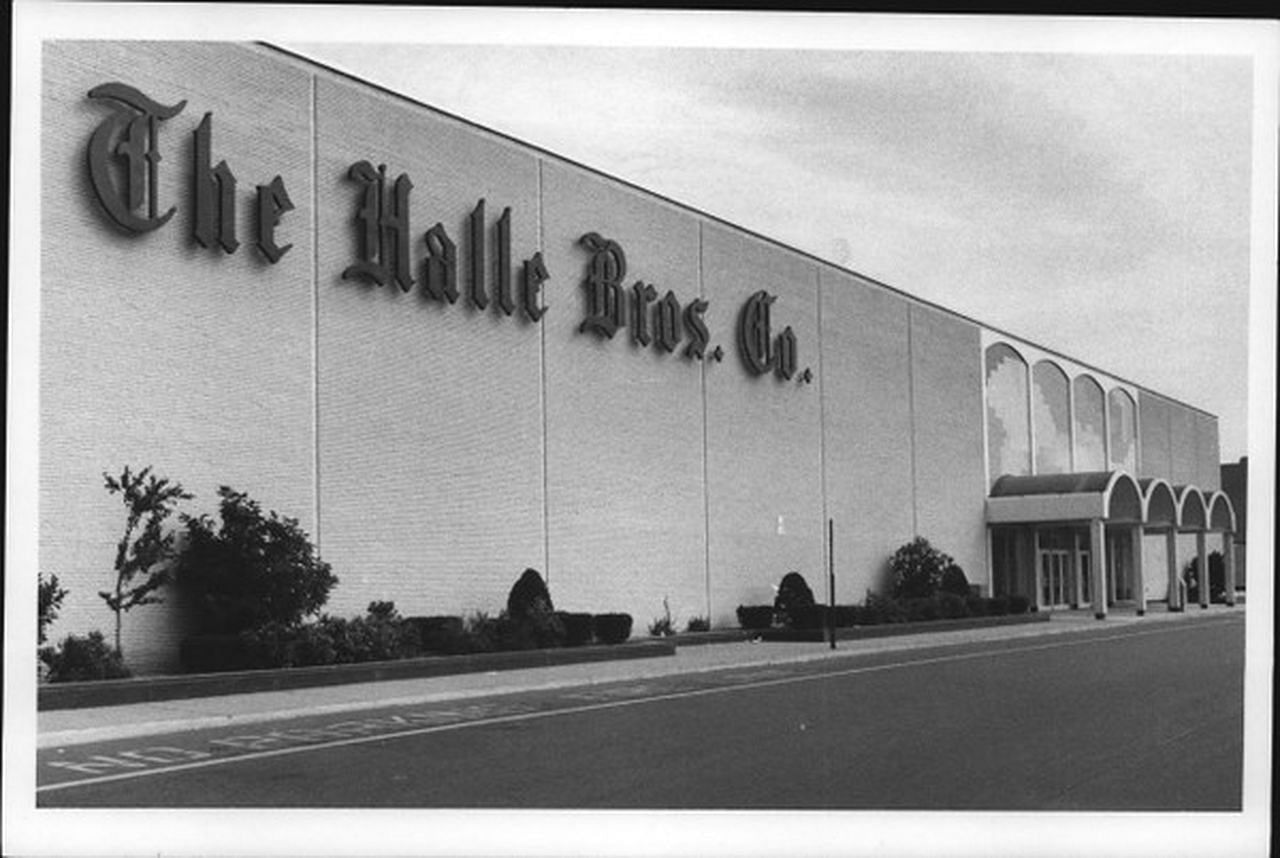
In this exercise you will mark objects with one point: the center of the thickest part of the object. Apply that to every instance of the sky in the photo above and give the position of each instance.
(1094, 202)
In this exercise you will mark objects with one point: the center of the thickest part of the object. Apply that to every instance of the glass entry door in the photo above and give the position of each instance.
(1055, 578)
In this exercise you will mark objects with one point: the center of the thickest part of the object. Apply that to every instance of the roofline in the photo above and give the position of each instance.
(719, 220)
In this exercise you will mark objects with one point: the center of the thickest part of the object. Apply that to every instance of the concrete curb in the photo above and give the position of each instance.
(117, 692)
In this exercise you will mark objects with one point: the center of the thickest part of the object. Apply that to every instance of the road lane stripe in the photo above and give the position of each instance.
(611, 704)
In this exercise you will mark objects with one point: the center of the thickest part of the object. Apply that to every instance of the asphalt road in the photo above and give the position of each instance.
(1121, 718)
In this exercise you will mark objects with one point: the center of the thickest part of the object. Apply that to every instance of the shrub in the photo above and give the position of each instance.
(438, 634)
(662, 626)
(951, 606)
(613, 628)
(920, 609)
(1019, 604)
(577, 628)
(77, 659)
(976, 606)
(918, 569)
(1217, 578)
(878, 610)
(481, 632)
(755, 617)
(49, 596)
(998, 606)
(807, 617)
(846, 615)
(527, 595)
(254, 571)
(144, 550)
(793, 594)
(954, 580)
(698, 624)
(530, 620)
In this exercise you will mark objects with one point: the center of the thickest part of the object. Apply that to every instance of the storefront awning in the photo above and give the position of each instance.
(1113, 496)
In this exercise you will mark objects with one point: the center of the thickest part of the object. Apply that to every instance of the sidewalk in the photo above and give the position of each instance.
(77, 726)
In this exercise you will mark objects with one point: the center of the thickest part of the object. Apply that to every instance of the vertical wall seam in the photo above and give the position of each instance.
(706, 486)
(911, 413)
(315, 307)
(542, 376)
(822, 427)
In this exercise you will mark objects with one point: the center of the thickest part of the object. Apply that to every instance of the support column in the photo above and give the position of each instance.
(1229, 564)
(1037, 577)
(1098, 564)
(1077, 577)
(1171, 559)
(1203, 564)
(1139, 585)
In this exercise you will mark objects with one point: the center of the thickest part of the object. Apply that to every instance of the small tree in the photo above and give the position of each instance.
(50, 599)
(918, 569)
(253, 571)
(144, 550)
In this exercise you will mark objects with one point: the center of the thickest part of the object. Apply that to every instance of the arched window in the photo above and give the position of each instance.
(1008, 426)
(1124, 430)
(1091, 448)
(1051, 412)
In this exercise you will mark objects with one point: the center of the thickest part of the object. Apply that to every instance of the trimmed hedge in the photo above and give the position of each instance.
(612, 628)
(578, 628)
(755, 616)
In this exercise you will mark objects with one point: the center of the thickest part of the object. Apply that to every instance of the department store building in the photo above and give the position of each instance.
(452, 355)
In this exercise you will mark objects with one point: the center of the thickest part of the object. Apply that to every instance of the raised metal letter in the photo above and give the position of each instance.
(753, 333)
(535, 274)
(605, 270)
(479, 297)
(383, 249)
(697, 328)
(130, 136)
(441, 265)
(643, 295)
(502, 282)
(215, 194)
(666, 317)
(273, 201)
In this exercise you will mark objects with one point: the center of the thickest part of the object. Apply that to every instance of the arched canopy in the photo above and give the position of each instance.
(1160, 504)
(1193, 514)
(1110, 495)
(1222, 516)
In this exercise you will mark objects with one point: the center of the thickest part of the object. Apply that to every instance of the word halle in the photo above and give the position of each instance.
(382, 249)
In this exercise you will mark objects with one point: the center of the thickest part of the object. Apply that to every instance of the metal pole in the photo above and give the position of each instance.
(831, 579)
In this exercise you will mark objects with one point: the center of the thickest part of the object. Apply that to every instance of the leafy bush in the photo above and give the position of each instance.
(254, 571)
(663, 626)
(976, 606)
(698, 624)
(954, 581)
(879, 610)
(951, 606)
(998, 606)
(793, 595)
(578, 628)
(530, 621)
(846, 615)
(49, 596)
(142, 555)
(78, 659)
(1019, 604)
(613, 628)
(921, 609)
(1217, 578)
(755, 616)
(527, 595)
(917, 568)
(440, 634)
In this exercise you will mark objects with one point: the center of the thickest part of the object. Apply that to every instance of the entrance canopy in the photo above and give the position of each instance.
(1112, 496)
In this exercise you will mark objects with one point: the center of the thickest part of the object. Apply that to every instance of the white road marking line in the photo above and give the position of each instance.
(594, 707)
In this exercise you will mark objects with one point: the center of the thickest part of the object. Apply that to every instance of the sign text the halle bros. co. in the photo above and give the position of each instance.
(124, 159)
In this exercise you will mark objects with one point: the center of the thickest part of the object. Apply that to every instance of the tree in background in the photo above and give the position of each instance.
(144, 550)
